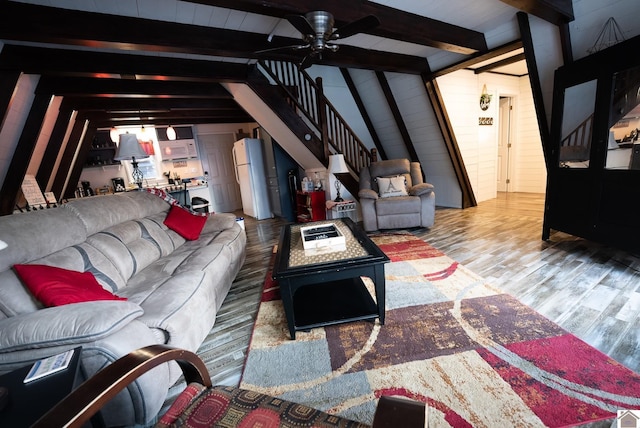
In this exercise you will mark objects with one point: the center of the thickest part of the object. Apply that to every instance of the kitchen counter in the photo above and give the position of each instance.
(197, 189)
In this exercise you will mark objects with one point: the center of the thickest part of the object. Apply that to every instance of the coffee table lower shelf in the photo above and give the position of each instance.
(320, 305)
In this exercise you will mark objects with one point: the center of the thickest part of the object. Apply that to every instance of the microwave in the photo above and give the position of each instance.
(178, 149)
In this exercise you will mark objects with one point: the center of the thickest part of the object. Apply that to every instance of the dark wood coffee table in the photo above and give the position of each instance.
(325, 289)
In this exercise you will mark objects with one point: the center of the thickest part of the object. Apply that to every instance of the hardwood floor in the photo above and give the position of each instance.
(589, 289)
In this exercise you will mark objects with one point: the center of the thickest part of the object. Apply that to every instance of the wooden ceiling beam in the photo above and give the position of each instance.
(69, 62)
(110, 88)
(501, 63)
(475, 59)
(393, 22)
(160, 117)
(87, 29)
(557, 12)
(149, 104)
(107, 123)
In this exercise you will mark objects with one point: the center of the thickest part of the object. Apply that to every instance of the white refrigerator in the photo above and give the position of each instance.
(251, 176)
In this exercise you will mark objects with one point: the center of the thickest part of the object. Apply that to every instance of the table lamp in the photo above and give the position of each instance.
(337, 166)
(130, 149)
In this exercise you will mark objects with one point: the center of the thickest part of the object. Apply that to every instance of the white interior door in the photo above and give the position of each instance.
(504, 144)
(216, 152)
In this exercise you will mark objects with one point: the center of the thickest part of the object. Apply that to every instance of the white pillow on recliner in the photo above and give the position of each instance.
(392, 186)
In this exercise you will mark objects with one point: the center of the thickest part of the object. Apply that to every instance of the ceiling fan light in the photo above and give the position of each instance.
(171, 133)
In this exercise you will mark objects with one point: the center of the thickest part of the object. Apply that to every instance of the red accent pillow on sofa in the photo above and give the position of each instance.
(54, 286)
(185, 223)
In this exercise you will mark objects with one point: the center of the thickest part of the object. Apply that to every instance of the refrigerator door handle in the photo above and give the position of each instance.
(235, 164)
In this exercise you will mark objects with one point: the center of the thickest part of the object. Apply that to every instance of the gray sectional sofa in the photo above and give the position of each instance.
(173, 287)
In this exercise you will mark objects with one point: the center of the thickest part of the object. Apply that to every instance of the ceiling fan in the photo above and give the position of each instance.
(318, 33)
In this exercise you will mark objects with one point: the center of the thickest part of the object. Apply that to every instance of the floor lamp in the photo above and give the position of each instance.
(130, 149)
(337, 166)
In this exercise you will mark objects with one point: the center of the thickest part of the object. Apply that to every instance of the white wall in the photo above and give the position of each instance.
(478, 144)
(379, 113)
(531, 172)
(591, 16)
(335, 88)
(419, 118)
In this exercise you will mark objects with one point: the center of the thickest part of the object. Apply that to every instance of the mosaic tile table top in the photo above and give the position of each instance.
(297, 256)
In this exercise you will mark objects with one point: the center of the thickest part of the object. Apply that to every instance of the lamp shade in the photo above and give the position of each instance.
(129, 148)
(337, 164)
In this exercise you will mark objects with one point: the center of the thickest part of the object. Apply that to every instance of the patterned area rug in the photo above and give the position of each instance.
(475, 355)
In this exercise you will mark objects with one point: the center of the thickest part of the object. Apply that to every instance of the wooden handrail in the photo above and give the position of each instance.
(85, 401)
(581, 136)
(578, 142)
(307, 97)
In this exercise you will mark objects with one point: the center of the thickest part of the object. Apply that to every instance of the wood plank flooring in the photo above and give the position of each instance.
(589, 289)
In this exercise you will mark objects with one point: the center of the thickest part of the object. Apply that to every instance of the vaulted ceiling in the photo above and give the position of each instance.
(161, 61)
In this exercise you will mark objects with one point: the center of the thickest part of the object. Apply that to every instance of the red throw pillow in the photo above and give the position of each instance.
(54, 286)
(185, 223)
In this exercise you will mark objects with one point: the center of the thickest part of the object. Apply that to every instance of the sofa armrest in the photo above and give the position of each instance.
(367, 194)
(85, 401)
(421, 189)
(218, 222)
(66, 325)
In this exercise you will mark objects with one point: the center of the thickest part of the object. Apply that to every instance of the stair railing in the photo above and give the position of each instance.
(577, 145)
(307, 97)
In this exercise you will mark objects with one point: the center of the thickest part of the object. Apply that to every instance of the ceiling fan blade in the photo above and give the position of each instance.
(301, 24)
(283, 48)
(355, 27)
(307, 61)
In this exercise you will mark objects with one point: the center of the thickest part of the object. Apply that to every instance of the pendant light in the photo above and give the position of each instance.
(171, 133)
(114, 134)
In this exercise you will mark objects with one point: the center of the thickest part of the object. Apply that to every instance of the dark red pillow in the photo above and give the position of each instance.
(185, 223)
(54, 286)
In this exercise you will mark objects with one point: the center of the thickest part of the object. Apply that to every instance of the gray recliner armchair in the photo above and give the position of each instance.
(393, 195)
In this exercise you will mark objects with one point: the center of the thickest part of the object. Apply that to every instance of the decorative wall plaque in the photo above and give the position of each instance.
(485, 99)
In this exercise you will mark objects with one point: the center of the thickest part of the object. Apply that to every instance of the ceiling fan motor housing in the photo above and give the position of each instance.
(323, 23)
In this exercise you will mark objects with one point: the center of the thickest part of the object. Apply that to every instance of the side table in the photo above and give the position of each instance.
(29, 401)
(342, 209)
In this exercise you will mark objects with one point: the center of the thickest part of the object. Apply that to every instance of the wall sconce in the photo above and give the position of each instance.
(130, 149)
(337, 166)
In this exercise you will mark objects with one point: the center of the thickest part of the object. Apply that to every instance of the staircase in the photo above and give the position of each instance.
(299, 101)
(576, 146)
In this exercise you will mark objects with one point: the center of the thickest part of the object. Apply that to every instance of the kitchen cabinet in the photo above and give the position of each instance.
(102, 151)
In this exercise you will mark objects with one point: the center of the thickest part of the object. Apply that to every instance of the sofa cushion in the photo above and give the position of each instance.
(33, 235)
(185, 223)
(54, 286)
(397, 205)
(392, 186)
